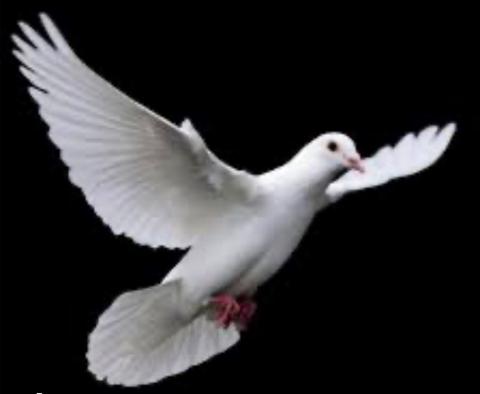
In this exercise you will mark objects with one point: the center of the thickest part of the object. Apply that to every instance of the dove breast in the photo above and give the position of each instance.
(287, 220)
(245, 247)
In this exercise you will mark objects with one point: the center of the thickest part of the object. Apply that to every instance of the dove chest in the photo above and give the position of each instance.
(285, 225)
(241, 253)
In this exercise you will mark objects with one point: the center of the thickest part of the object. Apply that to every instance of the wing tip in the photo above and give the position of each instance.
(446, 133)
(17, 42)
(55, 35)
(45, 19)
(450, 127)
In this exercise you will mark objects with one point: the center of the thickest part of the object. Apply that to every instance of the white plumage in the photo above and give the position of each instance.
(160, 185)
(131, 351)
(411, 155)
(128, 161)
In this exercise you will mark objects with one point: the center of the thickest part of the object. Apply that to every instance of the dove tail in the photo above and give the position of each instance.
(149, 334)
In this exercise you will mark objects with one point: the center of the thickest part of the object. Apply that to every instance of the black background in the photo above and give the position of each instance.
(380, 294)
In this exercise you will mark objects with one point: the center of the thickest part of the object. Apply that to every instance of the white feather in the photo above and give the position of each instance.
(149, 334)
(160, 185)
(410, 155)
(145, 177)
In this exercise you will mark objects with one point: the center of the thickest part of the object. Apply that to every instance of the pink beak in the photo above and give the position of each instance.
(356, 164)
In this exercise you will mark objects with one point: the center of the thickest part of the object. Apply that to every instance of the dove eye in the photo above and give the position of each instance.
(332, 146)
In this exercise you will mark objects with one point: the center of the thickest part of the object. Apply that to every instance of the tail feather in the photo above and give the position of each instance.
(149, 334)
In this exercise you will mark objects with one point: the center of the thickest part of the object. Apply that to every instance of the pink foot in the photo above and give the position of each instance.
(245, 314)
(230, 310)
(227, 309)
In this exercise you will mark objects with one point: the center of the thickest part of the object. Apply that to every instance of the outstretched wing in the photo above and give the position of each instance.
(145, 177)
(412, 154)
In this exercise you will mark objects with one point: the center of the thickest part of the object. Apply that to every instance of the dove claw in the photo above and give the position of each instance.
(245, 314)
(226, 308)
(230, 310)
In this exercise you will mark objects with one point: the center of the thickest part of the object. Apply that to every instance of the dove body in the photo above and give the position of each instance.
(160, 185)
(261, 236)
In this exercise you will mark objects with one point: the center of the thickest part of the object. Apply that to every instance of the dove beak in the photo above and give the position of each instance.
(356, 164)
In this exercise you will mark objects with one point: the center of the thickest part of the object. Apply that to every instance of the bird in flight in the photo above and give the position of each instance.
(159, 184)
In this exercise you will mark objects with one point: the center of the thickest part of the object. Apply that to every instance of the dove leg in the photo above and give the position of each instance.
(226, 309)
(246, 312)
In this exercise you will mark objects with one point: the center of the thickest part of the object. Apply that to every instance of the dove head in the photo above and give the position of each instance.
(336, 151)
(317, 163)
(340, 149)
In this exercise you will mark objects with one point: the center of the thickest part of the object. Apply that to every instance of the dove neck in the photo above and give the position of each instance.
(304, 173)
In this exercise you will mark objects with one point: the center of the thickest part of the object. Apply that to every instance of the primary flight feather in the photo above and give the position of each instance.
(160, 185)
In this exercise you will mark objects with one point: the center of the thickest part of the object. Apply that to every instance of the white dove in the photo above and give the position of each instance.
(160, 185)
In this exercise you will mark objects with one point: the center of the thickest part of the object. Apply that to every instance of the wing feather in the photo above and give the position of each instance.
(146, 178)
(410, 155)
